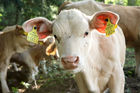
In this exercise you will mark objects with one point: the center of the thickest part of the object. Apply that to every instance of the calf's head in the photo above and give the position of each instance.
(76, 34)
(21, 43)
(16, 38)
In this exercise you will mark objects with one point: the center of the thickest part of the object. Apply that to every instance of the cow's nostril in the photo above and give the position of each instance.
(70, 59)
(77, 59)
(70, 62)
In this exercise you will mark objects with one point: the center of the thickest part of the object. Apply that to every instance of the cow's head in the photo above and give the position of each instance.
(16, 38)
(20, 40)
(76, 33)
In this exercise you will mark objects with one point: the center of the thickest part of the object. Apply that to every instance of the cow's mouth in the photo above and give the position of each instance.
(70, 62)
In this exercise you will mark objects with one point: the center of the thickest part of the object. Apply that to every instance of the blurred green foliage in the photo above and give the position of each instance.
(130, 58)
(17, 11)
(14, 90)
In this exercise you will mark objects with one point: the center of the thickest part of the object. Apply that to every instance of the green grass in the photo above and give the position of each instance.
(130, 58)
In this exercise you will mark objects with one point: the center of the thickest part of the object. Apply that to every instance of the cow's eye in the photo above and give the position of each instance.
(106, 20)
(86, 33)
(55, 36)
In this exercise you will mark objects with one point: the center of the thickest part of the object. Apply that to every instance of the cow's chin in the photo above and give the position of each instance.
(72, 67)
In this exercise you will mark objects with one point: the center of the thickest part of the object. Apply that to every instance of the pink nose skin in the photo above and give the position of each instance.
(70, 62)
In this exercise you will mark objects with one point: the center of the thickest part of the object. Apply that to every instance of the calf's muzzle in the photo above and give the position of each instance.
(70, 62)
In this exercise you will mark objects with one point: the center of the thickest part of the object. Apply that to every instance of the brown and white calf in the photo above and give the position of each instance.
(12, 40)
(35, 57)
(129, 21)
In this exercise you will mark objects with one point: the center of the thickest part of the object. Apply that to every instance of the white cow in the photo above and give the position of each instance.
(96, 60)
(129, 21)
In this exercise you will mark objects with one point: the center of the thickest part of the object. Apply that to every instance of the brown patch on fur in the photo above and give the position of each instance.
(51, 50)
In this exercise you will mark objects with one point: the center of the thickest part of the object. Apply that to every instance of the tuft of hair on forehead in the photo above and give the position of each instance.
(73, 15)
(69, 21)
(70, 14)
(66, 16)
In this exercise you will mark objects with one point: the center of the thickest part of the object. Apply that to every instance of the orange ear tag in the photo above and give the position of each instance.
(110, 28)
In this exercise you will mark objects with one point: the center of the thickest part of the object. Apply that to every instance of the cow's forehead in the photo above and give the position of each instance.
(70, 22)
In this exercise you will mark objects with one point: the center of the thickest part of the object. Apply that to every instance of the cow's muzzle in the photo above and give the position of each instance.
(70, 62)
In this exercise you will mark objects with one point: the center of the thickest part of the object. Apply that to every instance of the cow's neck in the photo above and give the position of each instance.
(96, 6)
(86, 83)
(81, 83)
(87, 79)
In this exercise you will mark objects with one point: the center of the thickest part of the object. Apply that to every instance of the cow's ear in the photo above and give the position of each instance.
(43, 26)
(19, 30)
(62, 6)
(101, 20)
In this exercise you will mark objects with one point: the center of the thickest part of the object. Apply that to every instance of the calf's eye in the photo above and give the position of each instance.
(55, 36)
(86, 33)
(106, 20)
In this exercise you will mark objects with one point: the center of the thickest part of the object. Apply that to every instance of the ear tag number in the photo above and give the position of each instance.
(110, 28)
(33, 36)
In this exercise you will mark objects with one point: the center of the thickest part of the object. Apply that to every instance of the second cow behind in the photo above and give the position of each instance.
(33, 56)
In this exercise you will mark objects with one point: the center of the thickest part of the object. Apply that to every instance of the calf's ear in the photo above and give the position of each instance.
(43, 26)
(62, 6)
(100, 20)
(19, 30)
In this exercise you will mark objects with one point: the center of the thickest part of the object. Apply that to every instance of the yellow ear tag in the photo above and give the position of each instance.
(40, 42)
(33, 36)
(110, 28)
